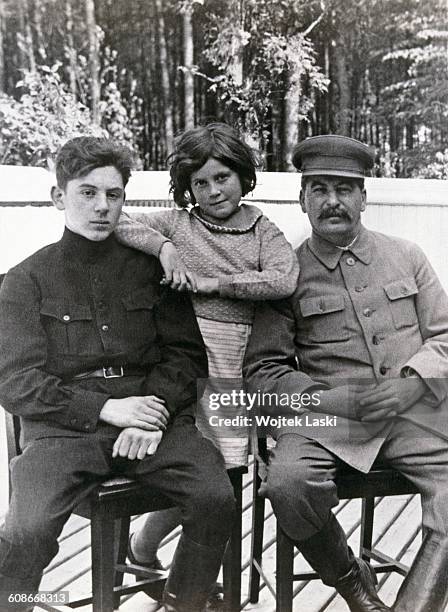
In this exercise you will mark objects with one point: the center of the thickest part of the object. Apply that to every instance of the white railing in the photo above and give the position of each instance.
(415, 209)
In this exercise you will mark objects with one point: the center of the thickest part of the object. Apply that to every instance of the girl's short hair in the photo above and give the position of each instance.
(194, 147)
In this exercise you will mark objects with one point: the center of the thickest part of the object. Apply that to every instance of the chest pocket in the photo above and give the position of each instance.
(139, 306)
(68, 327)
(401, 294)
(324, 318)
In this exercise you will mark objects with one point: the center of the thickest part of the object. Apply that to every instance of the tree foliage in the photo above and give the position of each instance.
(281, 70)
(46, 114)
(253, 55)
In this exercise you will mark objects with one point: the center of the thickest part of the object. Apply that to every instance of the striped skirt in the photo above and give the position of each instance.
(225, 344)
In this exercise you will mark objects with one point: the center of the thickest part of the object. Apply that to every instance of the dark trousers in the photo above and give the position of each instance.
(301, 478)
(53, 474)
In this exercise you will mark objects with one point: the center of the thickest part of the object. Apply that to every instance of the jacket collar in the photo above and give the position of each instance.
(77, 247)
(242, 220)
(328, 254)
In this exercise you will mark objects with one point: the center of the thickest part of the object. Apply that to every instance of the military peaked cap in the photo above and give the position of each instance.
(333, 155)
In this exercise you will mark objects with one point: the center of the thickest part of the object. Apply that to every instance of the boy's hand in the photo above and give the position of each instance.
(145, 412)
(135, 443)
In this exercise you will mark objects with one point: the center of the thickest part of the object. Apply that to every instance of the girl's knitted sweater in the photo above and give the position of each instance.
(247, 253)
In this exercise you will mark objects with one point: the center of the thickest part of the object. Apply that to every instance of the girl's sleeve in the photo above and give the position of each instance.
(146, 232)
(278, 269)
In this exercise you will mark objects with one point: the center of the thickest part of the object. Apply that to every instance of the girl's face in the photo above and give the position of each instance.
(217, 190)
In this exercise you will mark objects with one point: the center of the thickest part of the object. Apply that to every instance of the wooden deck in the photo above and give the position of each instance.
(397, 526)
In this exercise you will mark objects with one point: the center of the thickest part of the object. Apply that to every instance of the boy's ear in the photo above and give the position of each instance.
(57, 196)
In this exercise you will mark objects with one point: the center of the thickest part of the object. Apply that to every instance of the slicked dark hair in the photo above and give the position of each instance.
(194, 147)
(81, 155)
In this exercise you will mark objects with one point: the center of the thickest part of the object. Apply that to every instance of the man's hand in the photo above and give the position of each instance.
(146, 412)
(389, 398)
(177, 275)
(135, 443)
(340, 401)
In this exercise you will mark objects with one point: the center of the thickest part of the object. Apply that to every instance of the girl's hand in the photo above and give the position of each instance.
(177, 275)
(207, 285)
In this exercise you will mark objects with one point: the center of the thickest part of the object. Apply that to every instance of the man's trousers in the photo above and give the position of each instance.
(301, 478)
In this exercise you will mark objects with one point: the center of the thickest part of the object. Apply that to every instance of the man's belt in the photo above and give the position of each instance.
(112, 372)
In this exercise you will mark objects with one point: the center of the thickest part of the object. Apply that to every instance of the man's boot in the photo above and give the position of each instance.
(358, 588)
(192, 576)
(425, 588)
(329, 555)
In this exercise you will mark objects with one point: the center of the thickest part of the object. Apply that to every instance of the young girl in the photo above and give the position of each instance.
(233, 256)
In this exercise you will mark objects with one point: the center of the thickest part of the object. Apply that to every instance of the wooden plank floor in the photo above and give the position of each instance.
(397, 524)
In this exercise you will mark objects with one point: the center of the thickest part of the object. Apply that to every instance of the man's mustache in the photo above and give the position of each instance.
(334, 212)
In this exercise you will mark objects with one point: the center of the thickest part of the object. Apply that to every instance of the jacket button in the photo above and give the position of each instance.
(359, 289)
(350, 261)
(383, 370)
(105, 327)
(376, 340)
(367, 312)
(66, 317)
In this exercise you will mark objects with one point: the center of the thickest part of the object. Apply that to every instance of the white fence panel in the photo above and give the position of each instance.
(413, 209)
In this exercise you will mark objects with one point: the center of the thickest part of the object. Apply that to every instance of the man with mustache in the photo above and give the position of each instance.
(367, 331)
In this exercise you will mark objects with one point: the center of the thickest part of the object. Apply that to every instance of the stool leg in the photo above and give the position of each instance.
(102, 531)
(122, 536)
(284, 572)
(258, 509)
(366, 535)
(232, 558)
